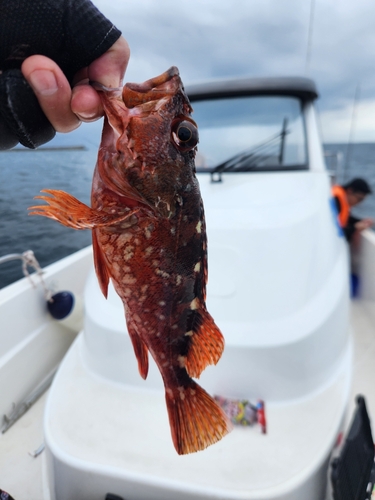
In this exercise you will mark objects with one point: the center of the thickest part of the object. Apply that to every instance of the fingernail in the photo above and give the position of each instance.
(87, 115)
(43, 82)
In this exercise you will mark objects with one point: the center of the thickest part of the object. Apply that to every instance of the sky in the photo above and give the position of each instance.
(209, 39)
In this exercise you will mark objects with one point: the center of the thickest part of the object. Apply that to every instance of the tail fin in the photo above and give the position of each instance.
(195, 419)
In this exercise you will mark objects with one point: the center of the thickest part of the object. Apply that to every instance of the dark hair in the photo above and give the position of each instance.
(358, 186)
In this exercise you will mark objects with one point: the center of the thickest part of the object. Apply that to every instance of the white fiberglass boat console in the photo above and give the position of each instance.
(278, 289)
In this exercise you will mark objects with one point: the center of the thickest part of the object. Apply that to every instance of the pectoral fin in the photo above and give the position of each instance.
(71, 212)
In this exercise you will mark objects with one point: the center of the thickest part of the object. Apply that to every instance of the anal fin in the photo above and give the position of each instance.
(196, 420)
(206, 343)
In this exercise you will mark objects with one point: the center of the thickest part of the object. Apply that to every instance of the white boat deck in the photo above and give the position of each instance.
(22, 475)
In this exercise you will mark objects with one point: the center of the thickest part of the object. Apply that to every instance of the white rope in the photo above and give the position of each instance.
(29, 260)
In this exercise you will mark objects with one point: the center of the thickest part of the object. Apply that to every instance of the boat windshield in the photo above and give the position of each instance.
(251, 133)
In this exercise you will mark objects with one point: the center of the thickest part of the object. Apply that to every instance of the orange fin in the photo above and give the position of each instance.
(195, 419)
(100, 264)
(140, 349)
(71, 212)
(206, 345)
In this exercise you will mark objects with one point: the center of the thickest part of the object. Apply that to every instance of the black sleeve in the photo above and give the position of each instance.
(71, 32)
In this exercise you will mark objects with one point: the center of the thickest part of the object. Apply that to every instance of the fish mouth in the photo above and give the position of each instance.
(156, 82)
(164, 85)
(135, 94)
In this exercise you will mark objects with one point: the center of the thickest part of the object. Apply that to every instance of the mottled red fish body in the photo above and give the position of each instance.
(149, 238)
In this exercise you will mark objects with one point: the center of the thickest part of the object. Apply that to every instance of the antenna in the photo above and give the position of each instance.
(352, 130)
(309, 38)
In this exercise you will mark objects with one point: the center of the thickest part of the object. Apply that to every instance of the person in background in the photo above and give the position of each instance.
(346, 197)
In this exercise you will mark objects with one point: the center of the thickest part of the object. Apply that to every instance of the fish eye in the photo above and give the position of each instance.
(185, 135)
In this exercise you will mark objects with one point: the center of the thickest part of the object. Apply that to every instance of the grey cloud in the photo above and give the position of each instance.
(208, 39)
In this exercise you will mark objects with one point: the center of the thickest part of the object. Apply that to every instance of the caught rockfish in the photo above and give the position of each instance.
(149, 238)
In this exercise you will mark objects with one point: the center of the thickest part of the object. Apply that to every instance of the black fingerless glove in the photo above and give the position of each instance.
(71, 32)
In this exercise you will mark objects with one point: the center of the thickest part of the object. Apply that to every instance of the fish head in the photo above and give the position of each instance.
(149, 142)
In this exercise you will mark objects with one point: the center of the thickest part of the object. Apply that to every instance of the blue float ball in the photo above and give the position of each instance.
(61, 305)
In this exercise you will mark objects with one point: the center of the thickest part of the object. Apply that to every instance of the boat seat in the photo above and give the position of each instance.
(353, 471)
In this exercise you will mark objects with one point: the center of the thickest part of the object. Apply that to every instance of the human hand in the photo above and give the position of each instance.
(57, 44)
(65, 107)
(364, 224)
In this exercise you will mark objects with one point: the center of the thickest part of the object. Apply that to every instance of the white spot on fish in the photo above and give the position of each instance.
(190, 333)
(198, 227)
(181, 361)
(173, 231)
(161, 317)
(126, 237)
(161, 273)
(128, 252)
(194, 304)
(197, 267)
(148, 251)
(174, 327)
(161, 303)
(148, 231)
(178, 279)
(181, 390)
(137, 319)
(129, 279)
(179, 200)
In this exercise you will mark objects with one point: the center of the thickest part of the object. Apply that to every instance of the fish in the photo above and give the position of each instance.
(149, 239)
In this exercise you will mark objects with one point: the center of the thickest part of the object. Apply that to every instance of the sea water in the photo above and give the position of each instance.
(23, 173)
